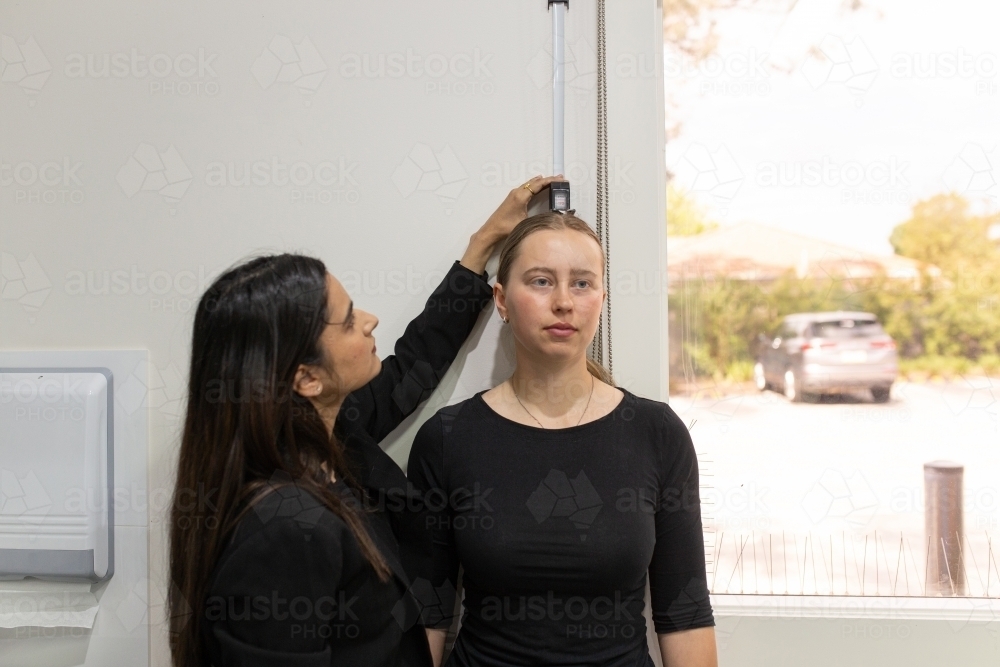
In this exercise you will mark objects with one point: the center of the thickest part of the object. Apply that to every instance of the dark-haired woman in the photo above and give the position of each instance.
(289, 524)
(565, 493)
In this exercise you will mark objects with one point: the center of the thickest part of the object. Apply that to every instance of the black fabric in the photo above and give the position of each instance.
(556, 530)
(292, 587)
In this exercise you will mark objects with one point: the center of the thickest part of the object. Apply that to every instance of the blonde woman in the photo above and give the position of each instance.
(560, 493)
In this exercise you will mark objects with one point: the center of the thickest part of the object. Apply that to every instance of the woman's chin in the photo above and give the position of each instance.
(372, 374)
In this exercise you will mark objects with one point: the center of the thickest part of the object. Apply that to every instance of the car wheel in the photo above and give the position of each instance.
(792, 392)
(881, 394)
(758, 377)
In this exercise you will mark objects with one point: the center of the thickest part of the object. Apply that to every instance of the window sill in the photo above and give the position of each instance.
(963, 609)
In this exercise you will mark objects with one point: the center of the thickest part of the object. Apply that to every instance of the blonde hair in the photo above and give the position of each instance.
(549, 221)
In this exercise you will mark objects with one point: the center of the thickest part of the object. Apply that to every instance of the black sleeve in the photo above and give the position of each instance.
(422, 354)
(677, 578)
(250, 610)
(438, 568)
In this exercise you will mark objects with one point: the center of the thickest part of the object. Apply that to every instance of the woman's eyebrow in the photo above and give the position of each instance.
(350, 311)
(575, 272)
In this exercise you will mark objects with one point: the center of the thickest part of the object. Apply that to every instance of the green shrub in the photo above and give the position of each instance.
(740, 370)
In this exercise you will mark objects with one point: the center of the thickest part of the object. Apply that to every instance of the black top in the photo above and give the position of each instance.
(556, 529)
(292, 587)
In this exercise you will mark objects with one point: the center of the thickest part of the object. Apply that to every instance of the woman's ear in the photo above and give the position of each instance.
(307, 383)
(500, 301)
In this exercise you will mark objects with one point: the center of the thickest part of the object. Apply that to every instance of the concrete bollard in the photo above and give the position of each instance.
(944, 529)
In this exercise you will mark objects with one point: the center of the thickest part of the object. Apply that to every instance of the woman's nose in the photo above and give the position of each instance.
(562, 298)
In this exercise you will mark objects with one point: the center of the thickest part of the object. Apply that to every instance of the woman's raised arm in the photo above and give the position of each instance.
(432, 340)
(423, 353)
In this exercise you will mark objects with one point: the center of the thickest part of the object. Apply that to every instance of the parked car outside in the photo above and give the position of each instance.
(826, 353)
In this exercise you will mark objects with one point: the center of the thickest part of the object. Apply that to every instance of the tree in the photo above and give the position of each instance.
(689, 31)
(685, 216)
(943, 323)
(942, 231)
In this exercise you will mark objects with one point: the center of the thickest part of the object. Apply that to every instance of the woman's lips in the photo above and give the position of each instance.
(561, 332)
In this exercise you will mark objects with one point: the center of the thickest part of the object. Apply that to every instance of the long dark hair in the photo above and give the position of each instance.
(247, 432)
(536, 223)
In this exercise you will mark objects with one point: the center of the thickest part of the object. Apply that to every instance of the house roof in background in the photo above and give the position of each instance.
(752, 251)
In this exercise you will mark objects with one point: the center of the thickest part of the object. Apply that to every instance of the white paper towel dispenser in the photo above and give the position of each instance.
(56, 474)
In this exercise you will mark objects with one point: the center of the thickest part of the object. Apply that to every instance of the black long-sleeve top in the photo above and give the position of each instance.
(292, 587)
(556, 530)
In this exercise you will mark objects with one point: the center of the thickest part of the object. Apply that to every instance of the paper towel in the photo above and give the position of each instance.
(46, 604)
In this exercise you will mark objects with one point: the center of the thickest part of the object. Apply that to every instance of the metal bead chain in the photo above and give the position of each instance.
(603, 200)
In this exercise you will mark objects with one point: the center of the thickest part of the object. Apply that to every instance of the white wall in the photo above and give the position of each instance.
(219, 103)
(192, 86)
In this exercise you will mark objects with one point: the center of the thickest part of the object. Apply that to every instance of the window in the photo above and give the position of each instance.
(786, 331)
(782, 201)
(845, 329)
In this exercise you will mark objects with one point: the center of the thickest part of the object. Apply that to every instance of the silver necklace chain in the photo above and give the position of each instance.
(581, 414)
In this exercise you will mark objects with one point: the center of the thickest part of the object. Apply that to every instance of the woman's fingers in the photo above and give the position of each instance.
(538, 183)
(523, 193)
(514, 207)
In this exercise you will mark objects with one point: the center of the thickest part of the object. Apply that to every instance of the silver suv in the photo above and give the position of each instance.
(825, 353)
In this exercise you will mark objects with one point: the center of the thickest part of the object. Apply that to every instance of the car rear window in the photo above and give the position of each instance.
(846, 329)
